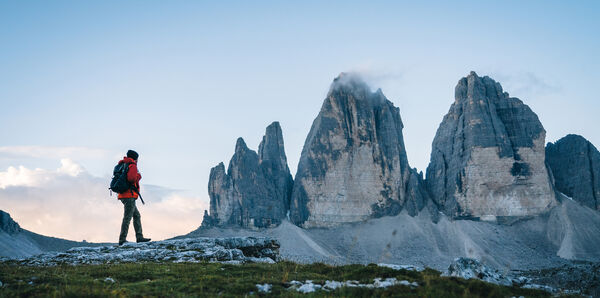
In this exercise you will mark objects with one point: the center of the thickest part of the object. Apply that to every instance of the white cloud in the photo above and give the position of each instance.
(70, 203)
(23, 176)
(376, 75)
(69, 167)
(525, 84)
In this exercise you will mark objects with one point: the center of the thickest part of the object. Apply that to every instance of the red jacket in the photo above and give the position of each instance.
(133, 176)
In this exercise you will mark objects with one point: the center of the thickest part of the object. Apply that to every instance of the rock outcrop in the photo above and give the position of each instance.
(194, 250)
(468, 268)
(575, 163)
(353, 165)
(255, 191)
(488, 157)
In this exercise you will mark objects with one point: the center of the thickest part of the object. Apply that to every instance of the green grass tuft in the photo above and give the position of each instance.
(211, 279)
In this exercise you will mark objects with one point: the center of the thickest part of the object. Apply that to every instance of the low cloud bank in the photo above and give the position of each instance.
(70, 203)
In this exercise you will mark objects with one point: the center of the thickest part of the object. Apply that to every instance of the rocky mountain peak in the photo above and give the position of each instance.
(255, 190)
(487, 158)
(575, 163)
(475, 87)
(354, 164)
(488, 162)
(240, 145)
(7, 224)
(482, 99)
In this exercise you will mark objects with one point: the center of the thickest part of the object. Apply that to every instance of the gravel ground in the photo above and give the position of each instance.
(550, 249)
(583, 277)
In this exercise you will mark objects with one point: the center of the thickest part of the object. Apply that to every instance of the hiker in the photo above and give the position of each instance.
(128, 199)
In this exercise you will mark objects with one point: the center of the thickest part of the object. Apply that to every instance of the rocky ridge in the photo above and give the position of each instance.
(7, 224)
(230, 250)
(575, 163)
(255, 190)
(18, 242)
(488, 157)
(488, 162)
(14, 241)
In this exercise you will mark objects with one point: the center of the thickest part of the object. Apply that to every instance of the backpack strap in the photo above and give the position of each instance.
(135, 188)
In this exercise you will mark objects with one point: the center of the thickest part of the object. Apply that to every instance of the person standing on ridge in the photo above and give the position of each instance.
(128, 199)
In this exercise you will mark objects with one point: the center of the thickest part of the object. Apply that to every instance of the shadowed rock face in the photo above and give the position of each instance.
(488, 157)
(575, 163)
(7, 224)
(273, 161)
(353, 165)
(255, 190)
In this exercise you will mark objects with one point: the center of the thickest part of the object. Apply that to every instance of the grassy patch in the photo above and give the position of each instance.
(211, 279)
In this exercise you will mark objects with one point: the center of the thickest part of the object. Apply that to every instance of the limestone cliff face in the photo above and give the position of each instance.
(575, 163)
(255, 191)
(353, 165)
(488, 157)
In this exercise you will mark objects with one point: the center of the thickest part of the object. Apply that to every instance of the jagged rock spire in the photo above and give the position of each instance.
(273, 161)
(255, 190)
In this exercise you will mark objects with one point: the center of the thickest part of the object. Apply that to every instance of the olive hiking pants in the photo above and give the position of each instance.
(130, 211)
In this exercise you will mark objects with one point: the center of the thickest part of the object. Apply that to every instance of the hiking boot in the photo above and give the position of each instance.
(143, 240)
(121, 242)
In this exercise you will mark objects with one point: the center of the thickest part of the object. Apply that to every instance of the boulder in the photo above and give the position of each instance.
(468, 268)
(353, 165)
(488, 157)
(255, 191)
(575, 164)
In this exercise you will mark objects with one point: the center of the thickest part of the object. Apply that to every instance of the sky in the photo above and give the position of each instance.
(81, 82)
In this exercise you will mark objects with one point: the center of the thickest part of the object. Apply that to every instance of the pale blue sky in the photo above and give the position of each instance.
(179, 81)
